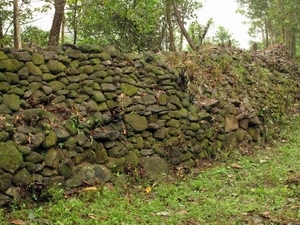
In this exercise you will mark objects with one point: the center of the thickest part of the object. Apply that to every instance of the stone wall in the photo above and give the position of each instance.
(77, 116)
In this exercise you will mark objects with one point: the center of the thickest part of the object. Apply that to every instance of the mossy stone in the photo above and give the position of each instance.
(22, 178)
(173, 123)
(10, 158)
(155, 167)
(5, 181)
(3, 55)
(163, 99)
(4, 87)
(56, 85)
(12, 101)
(70, 126)
(50, 140)
(33, 69)
(37, 59)
(136, 122)
(88, 69)
(10, 65)
(52, 158)
(12, 78)
(18, 91)
(129, 89)
(55, 66)
(65, 170)
(103, 107)
(116, 165)
(3, 136)
(132, 158)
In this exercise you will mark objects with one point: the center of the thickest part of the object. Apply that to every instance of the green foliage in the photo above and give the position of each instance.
(222, 37)
(32, 35)
(127, 24)
(6, 17)
(276, 21)
(195, 30)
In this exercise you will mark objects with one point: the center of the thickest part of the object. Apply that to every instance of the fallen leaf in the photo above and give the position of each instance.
(148, 189)
(18, 222)
(163, 213)
(89, 189)
(92, 216)
(182, 212)
(236, 166)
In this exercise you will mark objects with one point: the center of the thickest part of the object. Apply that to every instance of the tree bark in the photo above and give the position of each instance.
(17, 28)
(63, 24)
(1, 32)
(182, 28)
(74, 22)
(203, 34)
(59, 6)
(172, 47)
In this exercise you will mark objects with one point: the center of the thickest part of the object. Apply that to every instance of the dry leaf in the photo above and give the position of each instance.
(163, 213)
(236, 166)
(182, 212)
(18, 222)
(148, 189)
(89, 189)
(92, 216)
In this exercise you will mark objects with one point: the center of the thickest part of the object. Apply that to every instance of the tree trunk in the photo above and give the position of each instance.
(63, 24)
(1, 32)
(182, 28)
(75, 22)
(203, 34)
(17, 28)
(59, 6)
(172, 47)
(266, 34)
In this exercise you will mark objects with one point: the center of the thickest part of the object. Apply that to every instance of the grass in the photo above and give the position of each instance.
(263, 188)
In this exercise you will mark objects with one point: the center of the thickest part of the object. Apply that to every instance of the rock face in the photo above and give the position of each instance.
(71, 116)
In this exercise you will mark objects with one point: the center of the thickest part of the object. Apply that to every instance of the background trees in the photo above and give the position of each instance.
(145, 24)
(276, 21)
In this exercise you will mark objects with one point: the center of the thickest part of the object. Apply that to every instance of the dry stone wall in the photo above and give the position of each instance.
(75, 117)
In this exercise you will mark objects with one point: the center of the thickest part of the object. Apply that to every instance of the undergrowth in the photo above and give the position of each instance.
(262, 188)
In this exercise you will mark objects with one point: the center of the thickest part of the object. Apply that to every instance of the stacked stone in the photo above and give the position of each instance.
(75, 116)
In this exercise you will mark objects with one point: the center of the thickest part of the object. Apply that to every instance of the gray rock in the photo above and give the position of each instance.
(34, 157)
(52, 158)
(87, 172)
(10, 158)
(4, 199)
(136, 122)
(37, 139)
(100, 135)
(22, 178)
(12, 101)
(5, 181)
(156, 167)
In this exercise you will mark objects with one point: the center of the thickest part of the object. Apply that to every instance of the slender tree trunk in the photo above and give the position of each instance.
(75, 22)
(267, 33)
(182, 28)
(203, 34)
(1, 32)
(63, 24)
(172, 47)
(17, 28)
(180, 47)
(59, 6)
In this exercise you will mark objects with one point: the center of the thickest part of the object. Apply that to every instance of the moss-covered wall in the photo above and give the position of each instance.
(77, 116)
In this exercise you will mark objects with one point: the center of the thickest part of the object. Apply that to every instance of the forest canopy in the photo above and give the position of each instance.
(158, 25)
